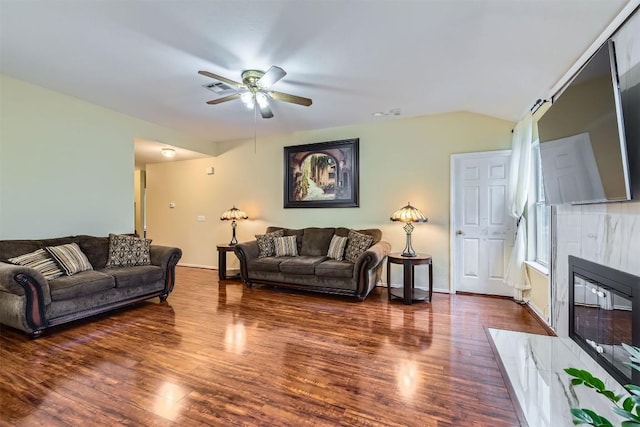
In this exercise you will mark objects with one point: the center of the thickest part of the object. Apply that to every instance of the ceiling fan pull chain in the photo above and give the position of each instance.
(255, 131)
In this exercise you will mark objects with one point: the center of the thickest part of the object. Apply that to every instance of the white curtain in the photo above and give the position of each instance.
(516, 274)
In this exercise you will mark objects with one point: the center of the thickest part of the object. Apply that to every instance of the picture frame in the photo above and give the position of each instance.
(322, 175)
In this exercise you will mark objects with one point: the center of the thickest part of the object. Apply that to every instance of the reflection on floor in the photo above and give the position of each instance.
(535, 366)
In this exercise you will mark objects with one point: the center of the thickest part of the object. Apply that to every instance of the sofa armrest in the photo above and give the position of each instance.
(9, 283)
(368, 266)
(167, 258)
(246, 251)
(373, 256)
(32, 289)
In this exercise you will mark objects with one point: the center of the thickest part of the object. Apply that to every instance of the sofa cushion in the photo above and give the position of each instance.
(266, 246)
(285, 246)
(41, 261)
(357, 243)
(373, 232)
(301, 264)
(128, 251)
(14, 248)
(70, 258)
(336, 248)
(333, 268)
(290, 232)
(265, 264)
(315, 241)
(127, 277)
(81, 284)
(96, 249)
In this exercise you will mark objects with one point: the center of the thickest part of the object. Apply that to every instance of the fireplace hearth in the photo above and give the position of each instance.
(604, 312)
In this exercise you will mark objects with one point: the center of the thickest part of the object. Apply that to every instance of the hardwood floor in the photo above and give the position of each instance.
(222, 354)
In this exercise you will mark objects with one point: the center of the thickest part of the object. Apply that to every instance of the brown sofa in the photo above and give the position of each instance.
(31, 303)
(312, 269)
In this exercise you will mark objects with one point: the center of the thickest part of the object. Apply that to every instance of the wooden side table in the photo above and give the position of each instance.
(222, 262)
(408, 292)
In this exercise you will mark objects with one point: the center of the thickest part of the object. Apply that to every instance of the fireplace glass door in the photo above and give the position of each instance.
(603, 319)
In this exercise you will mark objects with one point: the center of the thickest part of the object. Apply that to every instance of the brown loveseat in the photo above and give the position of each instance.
(31, 303)
(312, 269)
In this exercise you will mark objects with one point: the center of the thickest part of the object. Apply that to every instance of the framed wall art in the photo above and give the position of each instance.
(321, 175)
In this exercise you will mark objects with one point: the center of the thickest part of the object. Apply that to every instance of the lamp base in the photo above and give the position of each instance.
(408, 249)
(234, 241)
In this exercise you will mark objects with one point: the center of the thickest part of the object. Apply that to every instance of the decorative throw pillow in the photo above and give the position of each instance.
(128, 251)
(265, 243)
(70, 258)
(41, 261)
(336, 248)
(286, 246)
(357, 243)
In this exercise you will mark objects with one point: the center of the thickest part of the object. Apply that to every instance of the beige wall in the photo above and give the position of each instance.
(400, 160)
(67, 166)
(539, 293)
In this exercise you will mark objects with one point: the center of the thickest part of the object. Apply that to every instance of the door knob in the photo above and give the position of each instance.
(459, 232)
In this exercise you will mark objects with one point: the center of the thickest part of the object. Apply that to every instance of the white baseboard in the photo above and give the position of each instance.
(537, 311)
(439, 290)
(207, 267)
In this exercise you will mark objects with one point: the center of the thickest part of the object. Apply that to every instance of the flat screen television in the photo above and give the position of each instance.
(583, 152)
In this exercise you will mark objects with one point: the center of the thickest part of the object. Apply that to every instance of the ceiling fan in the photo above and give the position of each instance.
(254, 90)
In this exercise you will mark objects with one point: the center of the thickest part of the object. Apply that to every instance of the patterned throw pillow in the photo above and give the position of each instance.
(357, 243)
(70, 258)
(41, 261)
(286, 246)
(128, 251)
(336, 248)
(265, 243)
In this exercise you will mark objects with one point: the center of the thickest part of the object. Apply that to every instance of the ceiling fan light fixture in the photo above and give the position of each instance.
(261, 99)
(247, 98)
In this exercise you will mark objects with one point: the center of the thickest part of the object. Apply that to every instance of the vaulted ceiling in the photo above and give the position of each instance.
(353, 58)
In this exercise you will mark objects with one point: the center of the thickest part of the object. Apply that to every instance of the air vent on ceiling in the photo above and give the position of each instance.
(219, 88)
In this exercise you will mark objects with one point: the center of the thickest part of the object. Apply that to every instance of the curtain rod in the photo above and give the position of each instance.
(536, 106)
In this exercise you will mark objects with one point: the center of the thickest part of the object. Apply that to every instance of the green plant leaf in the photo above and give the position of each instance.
(633, 389)
(628, 404)
(576, 381)
(633, 365)
(633, 351)
(597, 383)
(629, 424)
(578, 373)
(626, 414)
(580, 416)
(587, 416)
(610, 395)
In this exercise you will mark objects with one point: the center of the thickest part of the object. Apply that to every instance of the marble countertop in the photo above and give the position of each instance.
(535, 368)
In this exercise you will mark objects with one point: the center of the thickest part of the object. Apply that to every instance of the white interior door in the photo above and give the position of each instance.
(482, 230)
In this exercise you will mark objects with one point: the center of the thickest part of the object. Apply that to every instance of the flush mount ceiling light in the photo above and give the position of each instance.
(168, 153)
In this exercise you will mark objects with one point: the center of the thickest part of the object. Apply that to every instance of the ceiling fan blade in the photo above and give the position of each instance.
(286, 97)
(225, 99)
(265, 111)
(222, 79)
(271, 77)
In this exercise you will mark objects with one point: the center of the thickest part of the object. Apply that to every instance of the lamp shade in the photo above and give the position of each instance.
(408, 214)
(233, 214)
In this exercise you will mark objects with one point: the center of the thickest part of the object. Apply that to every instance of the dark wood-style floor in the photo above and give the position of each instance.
(221, 354)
